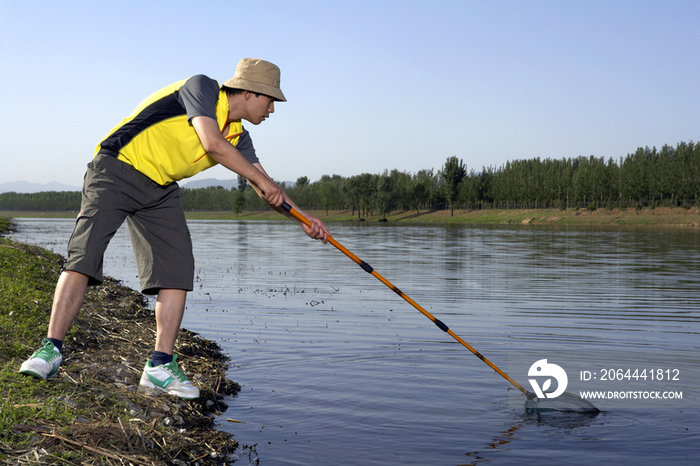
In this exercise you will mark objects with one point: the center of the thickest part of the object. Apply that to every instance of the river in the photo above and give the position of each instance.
(338, 369)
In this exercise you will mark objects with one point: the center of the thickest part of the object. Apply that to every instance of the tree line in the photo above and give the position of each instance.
(47, 201)
(647, 177)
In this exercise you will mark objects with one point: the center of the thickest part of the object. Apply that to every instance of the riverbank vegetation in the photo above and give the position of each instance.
(669, 177)
(637, 217)
(93, 412)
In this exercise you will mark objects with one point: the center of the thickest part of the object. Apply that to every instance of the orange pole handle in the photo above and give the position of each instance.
(367, 268)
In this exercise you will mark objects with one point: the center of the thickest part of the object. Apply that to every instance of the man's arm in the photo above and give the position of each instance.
(227, 155)
(316, 231)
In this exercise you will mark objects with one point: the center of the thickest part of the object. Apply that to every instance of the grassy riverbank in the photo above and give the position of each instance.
(93, 411)
(646, 216)
(659, 216)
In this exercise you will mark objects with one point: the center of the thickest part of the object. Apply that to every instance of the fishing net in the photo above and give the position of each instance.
(561, 419)
(566, 402)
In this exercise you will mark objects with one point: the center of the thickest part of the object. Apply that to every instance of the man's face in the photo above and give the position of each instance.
(260, 107)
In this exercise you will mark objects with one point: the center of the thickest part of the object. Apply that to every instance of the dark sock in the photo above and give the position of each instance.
(57, 343)
(159, 358)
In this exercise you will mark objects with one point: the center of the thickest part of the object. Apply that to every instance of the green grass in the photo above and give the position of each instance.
(28, 276)
(4, 225)
(38, 403)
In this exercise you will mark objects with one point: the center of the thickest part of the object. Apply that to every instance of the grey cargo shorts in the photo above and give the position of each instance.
(114, 191)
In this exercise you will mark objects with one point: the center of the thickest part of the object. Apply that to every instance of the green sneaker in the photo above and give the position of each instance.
(169, 378)
(44, 362)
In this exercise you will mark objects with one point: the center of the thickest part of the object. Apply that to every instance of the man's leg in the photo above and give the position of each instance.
(67, 300)
(168, 377)
(107, 197)
(163, 250)
(170, 308)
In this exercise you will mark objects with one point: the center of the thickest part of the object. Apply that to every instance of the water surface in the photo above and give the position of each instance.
(337, 369)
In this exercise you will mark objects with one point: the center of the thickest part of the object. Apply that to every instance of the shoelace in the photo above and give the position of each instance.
(176, 371)
(46, 353)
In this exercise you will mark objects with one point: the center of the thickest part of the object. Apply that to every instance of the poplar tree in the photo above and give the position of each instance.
(452, 175)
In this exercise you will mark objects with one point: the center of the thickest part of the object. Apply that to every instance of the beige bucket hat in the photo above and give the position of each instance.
(256, 75)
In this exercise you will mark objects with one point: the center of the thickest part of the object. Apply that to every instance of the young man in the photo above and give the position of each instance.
(175, 133)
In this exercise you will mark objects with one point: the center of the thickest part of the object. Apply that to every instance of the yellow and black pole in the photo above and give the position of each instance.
(367, 268)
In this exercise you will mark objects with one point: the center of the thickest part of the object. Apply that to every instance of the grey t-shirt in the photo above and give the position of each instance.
(199, 96)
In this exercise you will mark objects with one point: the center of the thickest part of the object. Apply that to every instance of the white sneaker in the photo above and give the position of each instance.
(44, 362)
(170, 379)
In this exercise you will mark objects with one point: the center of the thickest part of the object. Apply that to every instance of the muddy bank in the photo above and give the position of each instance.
(110, 419)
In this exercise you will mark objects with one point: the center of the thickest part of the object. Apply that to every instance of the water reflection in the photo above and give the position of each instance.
(499, 443)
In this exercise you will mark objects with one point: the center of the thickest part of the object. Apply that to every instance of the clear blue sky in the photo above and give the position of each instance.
(371, 85)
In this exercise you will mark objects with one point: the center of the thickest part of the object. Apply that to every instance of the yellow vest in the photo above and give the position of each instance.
(158, 141)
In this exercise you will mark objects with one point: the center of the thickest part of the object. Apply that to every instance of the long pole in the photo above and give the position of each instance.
(367, 268)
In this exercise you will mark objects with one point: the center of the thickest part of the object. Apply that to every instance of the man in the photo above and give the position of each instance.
(175, 133)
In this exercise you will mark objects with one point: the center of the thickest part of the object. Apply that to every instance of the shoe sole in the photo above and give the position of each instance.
(149, 384)
(32, 373)
(30, 369)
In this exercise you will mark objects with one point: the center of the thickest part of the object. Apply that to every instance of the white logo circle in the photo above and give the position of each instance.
(542, 368)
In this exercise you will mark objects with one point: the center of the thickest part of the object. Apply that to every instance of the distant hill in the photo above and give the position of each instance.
(228, 184)
(205, 183)
(27, 187)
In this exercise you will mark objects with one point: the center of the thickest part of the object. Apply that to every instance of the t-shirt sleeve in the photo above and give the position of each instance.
(199, 95)
(245, 147)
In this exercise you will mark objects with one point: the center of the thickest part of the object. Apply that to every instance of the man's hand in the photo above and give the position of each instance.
(317, 230)
(271, 193)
